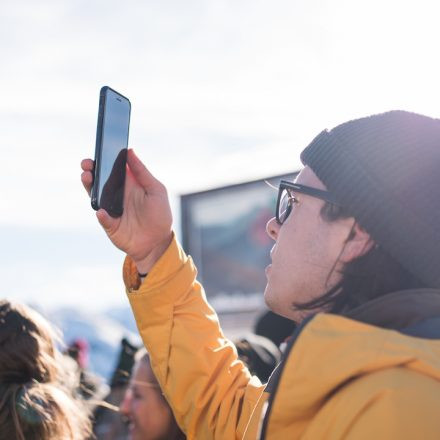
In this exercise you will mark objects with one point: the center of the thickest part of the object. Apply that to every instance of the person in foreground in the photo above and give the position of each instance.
(37, 386)
(147, 412)
(355, 261)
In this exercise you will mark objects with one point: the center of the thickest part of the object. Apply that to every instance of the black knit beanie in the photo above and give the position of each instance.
(385, 170)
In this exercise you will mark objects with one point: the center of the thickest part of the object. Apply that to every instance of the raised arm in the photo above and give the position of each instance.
(211, 392)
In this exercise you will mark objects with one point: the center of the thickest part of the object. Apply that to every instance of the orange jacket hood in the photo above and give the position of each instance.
(331, 353)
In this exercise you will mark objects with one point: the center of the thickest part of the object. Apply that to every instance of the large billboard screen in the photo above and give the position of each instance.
(224, 230)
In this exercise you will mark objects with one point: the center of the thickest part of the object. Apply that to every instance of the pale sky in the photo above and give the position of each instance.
(221, 92)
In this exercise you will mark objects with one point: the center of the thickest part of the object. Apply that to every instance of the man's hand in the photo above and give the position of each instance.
(144, 230)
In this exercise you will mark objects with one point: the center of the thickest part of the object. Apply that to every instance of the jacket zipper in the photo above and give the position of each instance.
(274, 386)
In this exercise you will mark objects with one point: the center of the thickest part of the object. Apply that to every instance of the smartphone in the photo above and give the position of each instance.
(111, 152)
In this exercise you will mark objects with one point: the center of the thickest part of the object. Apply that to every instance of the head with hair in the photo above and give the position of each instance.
(361, 219)
(35, 403)
(259, 354)
(145, 408)
(274, 327)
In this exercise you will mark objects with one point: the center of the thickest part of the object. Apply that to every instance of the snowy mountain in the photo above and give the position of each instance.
(103, 332)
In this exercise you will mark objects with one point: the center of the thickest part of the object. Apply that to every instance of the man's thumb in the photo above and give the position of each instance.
(140, 171)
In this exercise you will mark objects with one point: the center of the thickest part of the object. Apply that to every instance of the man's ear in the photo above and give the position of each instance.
(358, 243)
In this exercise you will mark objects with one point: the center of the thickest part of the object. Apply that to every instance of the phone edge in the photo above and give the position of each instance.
(98, 148)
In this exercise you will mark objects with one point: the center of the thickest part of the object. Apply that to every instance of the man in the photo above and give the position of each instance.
(355, 261)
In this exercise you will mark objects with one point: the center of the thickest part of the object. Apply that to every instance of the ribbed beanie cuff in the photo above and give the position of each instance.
(385, 169)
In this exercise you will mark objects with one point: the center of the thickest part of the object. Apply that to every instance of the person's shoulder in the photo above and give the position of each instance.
(396, 382)
(395, 402)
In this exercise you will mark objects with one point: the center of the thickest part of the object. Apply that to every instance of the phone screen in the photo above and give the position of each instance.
(111, 152)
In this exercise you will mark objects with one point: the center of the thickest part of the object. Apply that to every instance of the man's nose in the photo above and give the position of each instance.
(124, 407)
(272, 228)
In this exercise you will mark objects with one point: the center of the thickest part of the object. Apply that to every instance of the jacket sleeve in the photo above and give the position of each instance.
(210, 391)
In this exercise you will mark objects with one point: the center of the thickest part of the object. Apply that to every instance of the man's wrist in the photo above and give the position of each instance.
(146, 264)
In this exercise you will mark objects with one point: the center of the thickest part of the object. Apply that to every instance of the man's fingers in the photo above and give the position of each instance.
(87, 180)
(87, 164)
(139, 170)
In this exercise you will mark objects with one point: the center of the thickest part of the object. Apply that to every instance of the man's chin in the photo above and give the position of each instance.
(276, 307)
(269, 299)
(132, 432)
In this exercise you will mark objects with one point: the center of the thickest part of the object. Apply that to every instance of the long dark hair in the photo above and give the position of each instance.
(374, 274)
(36, 402)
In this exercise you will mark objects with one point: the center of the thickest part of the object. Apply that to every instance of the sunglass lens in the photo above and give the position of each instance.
(285, 206)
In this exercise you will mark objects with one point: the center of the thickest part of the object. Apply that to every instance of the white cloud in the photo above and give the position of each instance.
(212, 84)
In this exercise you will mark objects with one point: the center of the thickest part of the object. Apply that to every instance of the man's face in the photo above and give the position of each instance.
(305, 260)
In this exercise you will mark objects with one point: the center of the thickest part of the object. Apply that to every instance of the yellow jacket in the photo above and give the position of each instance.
(341, 379)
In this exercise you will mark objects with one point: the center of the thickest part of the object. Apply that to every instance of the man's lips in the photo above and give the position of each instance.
(128, 423)
(131, 428)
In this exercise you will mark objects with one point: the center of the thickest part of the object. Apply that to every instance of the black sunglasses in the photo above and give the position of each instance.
(286, 199)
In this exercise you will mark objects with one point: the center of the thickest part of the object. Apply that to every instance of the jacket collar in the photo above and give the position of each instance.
(335, 341)
(415, 312)
(331, 351)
